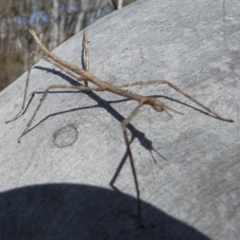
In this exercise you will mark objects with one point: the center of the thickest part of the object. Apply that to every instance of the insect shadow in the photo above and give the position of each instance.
(135, 133)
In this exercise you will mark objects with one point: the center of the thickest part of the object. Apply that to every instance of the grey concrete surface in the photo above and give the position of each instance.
(55, 184)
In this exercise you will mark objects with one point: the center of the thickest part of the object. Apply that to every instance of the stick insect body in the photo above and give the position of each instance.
(81, 74)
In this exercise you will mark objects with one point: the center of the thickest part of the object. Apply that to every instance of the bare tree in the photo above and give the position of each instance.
(54, 21)
(120, 2)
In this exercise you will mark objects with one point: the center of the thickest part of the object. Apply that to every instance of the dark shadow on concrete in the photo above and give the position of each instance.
(70, 211)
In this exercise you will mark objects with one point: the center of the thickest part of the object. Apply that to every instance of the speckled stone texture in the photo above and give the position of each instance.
(55, 184)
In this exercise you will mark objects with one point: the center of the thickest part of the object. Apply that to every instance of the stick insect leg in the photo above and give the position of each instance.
(178, 90)
(28, 79)
(25, 89)
(44, 97)
(85, 53)
(67, 71)
(33, 54)
(124, 127)
(86, 50)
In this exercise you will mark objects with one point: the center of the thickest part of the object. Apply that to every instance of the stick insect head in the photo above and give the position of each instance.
(160, 106)
(157, 105)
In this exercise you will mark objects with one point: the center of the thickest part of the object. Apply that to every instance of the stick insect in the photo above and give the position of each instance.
(83, 74)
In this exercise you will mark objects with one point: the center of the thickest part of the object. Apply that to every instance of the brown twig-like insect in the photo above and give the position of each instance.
(81, 74)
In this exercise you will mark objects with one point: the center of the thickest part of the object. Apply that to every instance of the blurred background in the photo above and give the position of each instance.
(54, 20)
